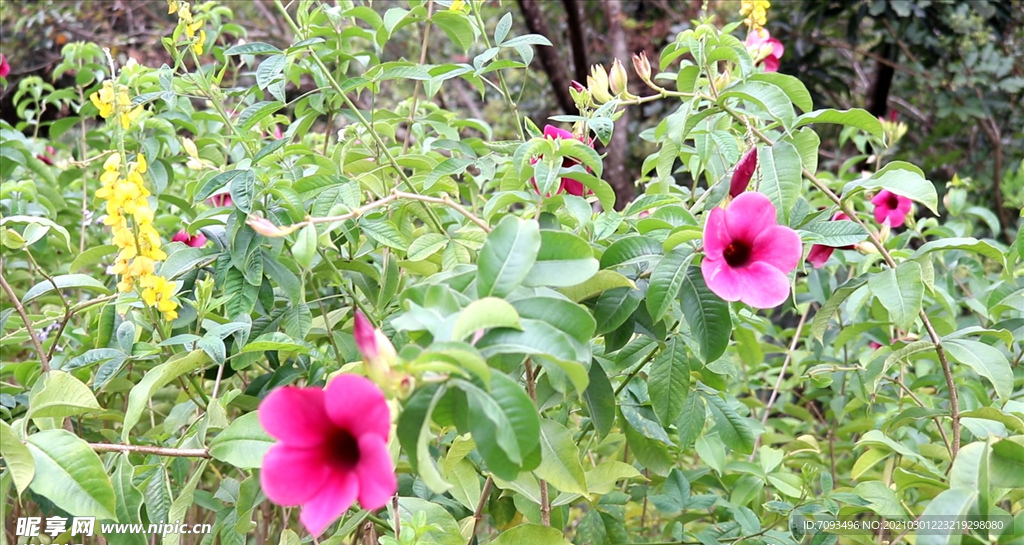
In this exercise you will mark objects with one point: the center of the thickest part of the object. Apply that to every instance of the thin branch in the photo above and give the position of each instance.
(144, 449)
(545, 500)
(782, 374)
(478, 514)
(43, 360)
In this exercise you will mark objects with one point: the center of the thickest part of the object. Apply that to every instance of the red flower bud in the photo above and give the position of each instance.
(744, 171)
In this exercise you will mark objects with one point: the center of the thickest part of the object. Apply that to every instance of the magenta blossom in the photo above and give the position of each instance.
(378, 352)
(819, 254)
(746, 255)
(743, 173)
(332, 448)
(197, 240)
(220, 199)
(765, 50)
(4, 67)
(891, 207)
(568, 185)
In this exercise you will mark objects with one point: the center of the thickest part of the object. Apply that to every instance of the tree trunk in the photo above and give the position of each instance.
(618, 149)
(550, 58)
(574, 21)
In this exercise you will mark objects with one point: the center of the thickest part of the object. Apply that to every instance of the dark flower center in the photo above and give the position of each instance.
(343, 449)
(893, 202)
(736, 254)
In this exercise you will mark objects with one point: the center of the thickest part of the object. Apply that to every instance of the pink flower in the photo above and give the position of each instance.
(220, 199)
(746, 255)
(765, 50)
(568, 185)
(47, 156)
(378, 352)
(743, 173)
(819, 254)
(891, 207)
(197, 240)
(4, 67)
(874, 345)
(332, 448)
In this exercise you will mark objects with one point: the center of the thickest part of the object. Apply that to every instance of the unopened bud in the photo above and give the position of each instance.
(597, 82)
(267, 228)
(618, 79)
(743, 173)
(579, 87)
(642, 66)
(378, 352)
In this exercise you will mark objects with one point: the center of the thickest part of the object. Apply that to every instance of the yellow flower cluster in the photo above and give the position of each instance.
(756, 12)
(191, 23)
(110, 102)
(138, 240)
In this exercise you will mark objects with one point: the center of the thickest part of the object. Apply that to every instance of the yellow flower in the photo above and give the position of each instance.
(104, 99)
(756, 12)
(157, 293)
(198, 46)
(172, 6)
(184, 13)
(457, 5)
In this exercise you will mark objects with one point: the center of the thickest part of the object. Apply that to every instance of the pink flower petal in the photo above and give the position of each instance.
(777, 48)
(819, 255)
(881, 198)
(555, 133)
(778, 246)
(573, 187)
(721, 279)
(356, 404)
(749, 215)
(181, 236)
(770, 64)
(716, 236)
(376, 472)
(197, 241)
(291, 476)
(296, 416)
(764, 286)
(334, 498)
(363, 332)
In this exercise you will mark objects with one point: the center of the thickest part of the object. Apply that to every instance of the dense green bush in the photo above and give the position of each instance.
(200, 249)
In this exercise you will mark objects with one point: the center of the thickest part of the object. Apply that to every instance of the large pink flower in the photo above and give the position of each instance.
(332, 449)
(568, 185)
(765, 50)
(819, 254)
(746, 255)
(892, 207)
(197, 240)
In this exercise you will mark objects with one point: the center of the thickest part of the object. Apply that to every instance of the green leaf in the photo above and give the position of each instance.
(630, 249)
(304, 248)
(603, 478)
(560, 459)
(902, 179)
(780, 177)
(501, 31)
(769, 97)
(505, 426)
(37, 220)
(484, 314)
(507, 256)
(414, 434)
(438, 526)
(276, 341)
(448, 167)
(986, 360)
(1006, 463)
(243, 190)
(837, 234)
(91, 257)
(564, 260)
(243, 443)
(790, 85)
(183, 502)
(457, 26)
(129, 500)
(950, 506)
(707, 315)
(824, 315)
(530, 534)
(536, 338)
(17, 457)
(600, 399)
(614, 307)
(71, 475)
(666, 280)
(968, 244)
(61, 395)
(252, 48)
(669, 381)
(157, 378)
(900, 291)
(599, 283)
(425, 246)
(383, 232)
(733, 429)
(691, 420)
(64, 282)
(673, 495)
(854, 117)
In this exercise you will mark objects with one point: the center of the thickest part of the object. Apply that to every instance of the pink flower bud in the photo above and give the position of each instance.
(642, 66)
(378, 352)
(743, 173)
(267, 228)
(578, 86)
(618, 79)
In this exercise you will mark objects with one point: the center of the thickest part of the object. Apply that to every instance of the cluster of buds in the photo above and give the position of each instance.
(894, 130)
(192, 25)
(603, 86)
